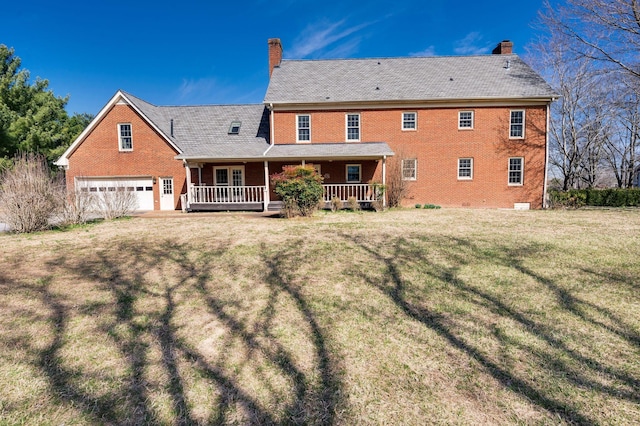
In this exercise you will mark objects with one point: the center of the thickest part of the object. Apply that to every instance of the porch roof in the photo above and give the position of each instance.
(318, 151)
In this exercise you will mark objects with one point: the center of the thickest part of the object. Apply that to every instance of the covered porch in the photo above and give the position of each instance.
(350, 171)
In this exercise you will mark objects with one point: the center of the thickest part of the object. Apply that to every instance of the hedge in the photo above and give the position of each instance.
(610, 197)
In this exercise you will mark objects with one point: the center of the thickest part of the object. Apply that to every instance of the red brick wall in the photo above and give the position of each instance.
(438, 143)
(99, 154)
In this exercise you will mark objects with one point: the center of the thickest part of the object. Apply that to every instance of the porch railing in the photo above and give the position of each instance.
(226, 194)
(361, 191)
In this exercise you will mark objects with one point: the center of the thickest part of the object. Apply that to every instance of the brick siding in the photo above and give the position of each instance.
(99, 155)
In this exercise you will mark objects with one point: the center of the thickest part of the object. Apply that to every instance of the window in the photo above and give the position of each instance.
(234, 128)
(353, 172)
(229, 176)
(516, 166)
(304, 128)
(353, 127)
(167, 186)
(409, 120)
(125, 140)
(465, 120)
(409, 169)
(516, 124)
(465, 168)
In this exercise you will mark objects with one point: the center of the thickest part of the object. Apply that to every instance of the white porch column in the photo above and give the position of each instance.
(188, 172)
(267, 198)
(384, 180)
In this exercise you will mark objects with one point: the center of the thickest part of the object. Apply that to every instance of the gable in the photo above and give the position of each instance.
(126, 109)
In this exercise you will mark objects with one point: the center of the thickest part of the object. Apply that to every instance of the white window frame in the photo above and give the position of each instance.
(347, 127)
(472, 119)
(298, 128)
(414, 168)
(521, 171)
(470, 168)
(511, 124)
(120, 137)
(405, 121)
(229, 170)
(346, 173)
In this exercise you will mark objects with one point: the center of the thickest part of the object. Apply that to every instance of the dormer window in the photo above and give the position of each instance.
(234, 129)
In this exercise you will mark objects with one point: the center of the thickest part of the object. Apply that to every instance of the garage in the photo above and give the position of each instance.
(142, 187)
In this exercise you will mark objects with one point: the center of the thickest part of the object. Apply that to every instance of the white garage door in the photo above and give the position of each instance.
(141, 187)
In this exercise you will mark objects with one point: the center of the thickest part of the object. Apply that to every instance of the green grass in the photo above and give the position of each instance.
(402, 317)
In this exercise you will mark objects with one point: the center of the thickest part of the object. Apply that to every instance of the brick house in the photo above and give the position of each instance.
(467, 131)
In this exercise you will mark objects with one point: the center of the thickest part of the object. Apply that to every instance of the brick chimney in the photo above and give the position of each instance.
(275, 54)
(505, 47)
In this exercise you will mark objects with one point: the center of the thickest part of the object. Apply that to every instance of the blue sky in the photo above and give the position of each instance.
(192, 52)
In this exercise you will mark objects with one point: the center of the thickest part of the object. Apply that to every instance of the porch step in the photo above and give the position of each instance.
(275, 206)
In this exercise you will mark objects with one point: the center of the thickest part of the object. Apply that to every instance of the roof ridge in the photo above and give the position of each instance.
(373, 58)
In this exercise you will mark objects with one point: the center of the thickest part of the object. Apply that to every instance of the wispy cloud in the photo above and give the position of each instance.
(199, 90)
(471, 44)
(334, 36)
(429, 51)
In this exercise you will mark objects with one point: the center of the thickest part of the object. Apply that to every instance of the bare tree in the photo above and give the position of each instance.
(579, 118)
(397, 186)
(605, 31)
(623, 146)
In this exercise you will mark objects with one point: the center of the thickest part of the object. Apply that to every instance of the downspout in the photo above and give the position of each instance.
(546, 161)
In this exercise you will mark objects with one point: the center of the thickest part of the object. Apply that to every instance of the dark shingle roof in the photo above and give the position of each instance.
(203, 131)
(405, 79)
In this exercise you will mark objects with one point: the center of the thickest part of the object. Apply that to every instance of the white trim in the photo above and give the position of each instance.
(470, 166)
(524, 122)
(298, 140)
(546, 161)
(120, 147)
(346, 173)
(521, 183)
(118, 99)
(414, 104)
(229, 170)
(415, 121)
(346, 127)
(473, 119)
(415, 169)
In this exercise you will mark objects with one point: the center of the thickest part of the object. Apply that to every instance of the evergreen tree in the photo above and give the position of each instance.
(32, 117)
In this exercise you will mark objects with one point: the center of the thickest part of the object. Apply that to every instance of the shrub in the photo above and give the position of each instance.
(116, 202)
(418, 206)
(336, 204)
(431, 206)
(611, 197)
(353, 204)
(77, 207)
(378, 192)
(300, 188)
(29, 194)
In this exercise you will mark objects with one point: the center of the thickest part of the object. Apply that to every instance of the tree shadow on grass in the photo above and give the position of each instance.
(138, 318)
(406, 253)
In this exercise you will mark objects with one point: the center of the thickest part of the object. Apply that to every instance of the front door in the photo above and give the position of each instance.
(233, 178)
(166, 194)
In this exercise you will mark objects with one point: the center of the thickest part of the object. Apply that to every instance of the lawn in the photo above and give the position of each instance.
(402, 317)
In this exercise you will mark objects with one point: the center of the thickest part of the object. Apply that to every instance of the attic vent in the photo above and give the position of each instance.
(234, 129)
